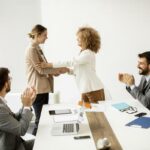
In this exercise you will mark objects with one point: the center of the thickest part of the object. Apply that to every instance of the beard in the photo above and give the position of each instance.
(8, 89)
(143, 71)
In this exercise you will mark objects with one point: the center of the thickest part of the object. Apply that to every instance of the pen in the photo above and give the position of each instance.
(81, 137)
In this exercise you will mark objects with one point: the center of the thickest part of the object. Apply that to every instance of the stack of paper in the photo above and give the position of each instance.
(66, 118)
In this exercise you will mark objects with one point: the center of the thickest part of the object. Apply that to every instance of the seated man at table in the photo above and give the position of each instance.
(142, 91)
(13, 126)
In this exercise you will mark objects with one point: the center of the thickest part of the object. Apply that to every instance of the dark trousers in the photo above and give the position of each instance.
(29, 144)
(40, 100)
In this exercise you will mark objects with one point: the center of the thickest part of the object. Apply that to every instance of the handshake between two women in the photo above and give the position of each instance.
(58, 71)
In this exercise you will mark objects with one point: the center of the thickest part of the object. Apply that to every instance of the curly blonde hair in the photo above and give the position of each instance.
(90, 38)
(37, 30)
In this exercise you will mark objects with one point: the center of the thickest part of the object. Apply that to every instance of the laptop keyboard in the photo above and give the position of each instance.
(68, 128)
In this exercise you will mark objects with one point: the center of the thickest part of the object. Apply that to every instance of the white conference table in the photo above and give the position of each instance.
(130, 138)
(45, 141)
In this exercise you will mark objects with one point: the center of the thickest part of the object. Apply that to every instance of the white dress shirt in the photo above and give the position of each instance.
(147, 78)
(84, 71)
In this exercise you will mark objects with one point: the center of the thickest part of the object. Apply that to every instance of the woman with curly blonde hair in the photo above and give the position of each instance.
(90, 86)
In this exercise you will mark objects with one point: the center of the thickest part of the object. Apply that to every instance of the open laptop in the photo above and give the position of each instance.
(65, 128)
(68, 128)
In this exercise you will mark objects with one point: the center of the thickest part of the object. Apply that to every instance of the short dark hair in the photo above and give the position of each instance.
(145, 55)
(4, 72)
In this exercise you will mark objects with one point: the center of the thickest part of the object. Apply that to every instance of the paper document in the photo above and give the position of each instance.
(121, 106)
(66, 118)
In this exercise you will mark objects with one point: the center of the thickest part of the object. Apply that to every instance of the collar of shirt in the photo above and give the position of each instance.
(147, 78)
(3, 99)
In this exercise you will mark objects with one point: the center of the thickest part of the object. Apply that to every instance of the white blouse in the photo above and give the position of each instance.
(84, 71)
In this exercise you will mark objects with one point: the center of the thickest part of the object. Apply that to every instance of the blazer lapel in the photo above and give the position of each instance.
(41, 55)
(43, 59)
(147, 86)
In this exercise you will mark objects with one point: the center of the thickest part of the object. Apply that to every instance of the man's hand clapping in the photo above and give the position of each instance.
(128, 79)
(28, 97)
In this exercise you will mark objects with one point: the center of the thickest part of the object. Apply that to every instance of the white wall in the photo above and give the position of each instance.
(16, 20)
(124, 28)
(123, 25)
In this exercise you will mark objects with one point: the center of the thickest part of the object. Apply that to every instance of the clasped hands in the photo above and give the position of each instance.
(126, 78)
(58, 71)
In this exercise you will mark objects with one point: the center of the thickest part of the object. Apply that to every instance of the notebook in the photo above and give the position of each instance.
(143, 122)
(121, 106)
(65, 129)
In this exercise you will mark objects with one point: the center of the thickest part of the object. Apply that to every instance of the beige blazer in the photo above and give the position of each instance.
(40, 78)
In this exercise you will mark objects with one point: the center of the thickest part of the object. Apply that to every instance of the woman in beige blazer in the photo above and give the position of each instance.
(40, 78)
